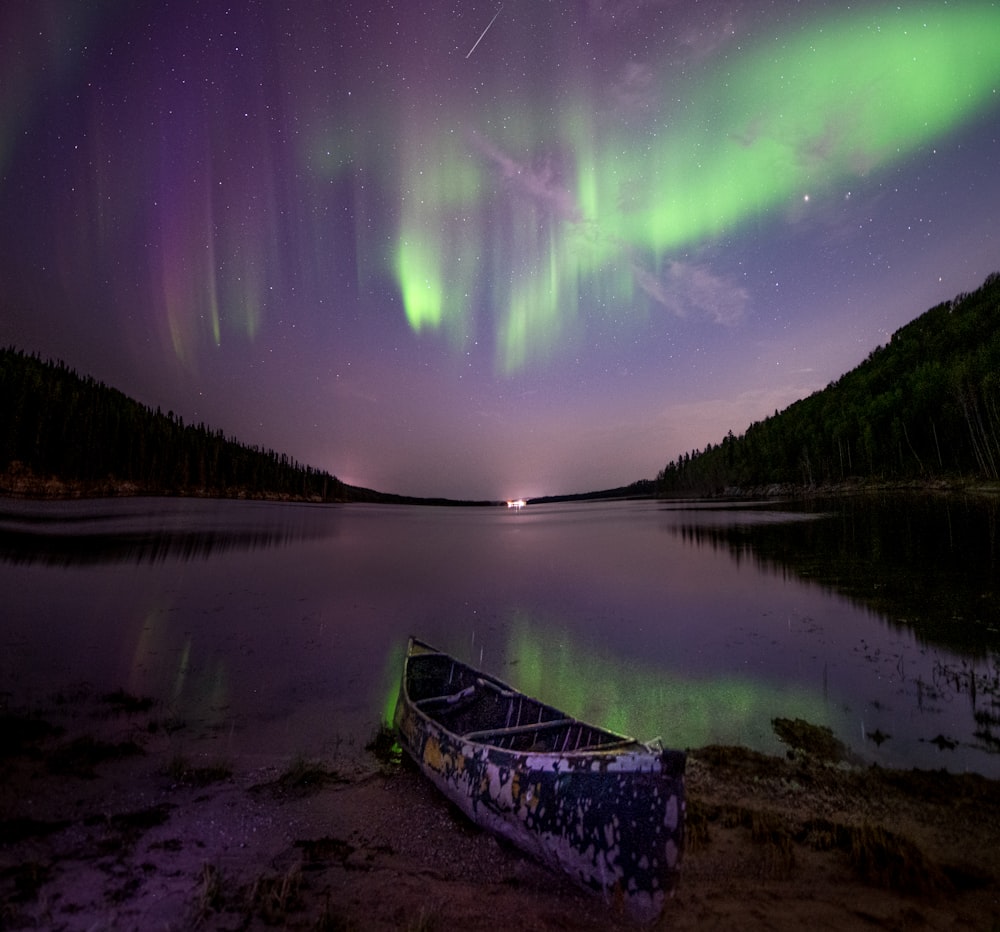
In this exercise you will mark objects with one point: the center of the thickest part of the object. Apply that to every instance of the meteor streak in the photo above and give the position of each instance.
(486, 30)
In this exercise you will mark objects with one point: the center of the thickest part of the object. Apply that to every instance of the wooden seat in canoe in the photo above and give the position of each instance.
(449, 699)
(493, 733)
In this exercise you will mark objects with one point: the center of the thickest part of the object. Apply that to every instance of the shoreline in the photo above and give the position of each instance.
(110, 815)
(24, 485)
(28, 487)
(859, 487)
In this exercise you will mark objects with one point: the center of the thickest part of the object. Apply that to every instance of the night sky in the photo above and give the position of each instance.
(485, 250)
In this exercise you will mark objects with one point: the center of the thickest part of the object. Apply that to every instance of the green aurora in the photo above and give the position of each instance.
(633, 699)
(593, 207)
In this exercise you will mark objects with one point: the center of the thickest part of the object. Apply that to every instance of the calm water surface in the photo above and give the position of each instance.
(275, 630)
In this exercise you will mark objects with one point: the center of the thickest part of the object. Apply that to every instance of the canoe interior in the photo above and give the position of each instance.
(477, 707)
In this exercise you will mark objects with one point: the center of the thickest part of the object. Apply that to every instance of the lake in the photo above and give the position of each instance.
(269, 630)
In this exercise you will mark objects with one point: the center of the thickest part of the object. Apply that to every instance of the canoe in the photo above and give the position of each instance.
(602, 808)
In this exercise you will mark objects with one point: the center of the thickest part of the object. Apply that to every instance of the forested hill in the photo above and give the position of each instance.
(926, 406)
(61, 434)
(59, 430)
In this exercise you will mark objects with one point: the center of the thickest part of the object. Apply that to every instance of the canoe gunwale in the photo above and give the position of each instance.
(605, 742)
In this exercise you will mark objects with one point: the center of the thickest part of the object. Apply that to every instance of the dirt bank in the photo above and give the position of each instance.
(104, 823)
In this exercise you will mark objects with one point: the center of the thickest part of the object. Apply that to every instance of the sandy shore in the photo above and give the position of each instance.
(105, 823)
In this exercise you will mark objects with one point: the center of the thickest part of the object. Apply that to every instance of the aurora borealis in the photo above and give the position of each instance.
(440, 257)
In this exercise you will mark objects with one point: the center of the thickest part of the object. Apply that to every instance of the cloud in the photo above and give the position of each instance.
(702, 39)
(685, 289)
(539, 183)
(635, 90)
(688, 288)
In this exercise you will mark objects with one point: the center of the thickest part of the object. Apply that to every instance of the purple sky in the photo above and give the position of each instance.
(544, 258)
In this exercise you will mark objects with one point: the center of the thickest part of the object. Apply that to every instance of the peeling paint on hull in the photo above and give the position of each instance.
(606, 810)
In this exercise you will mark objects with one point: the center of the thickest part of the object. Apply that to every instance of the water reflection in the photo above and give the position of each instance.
(647, 702)
(924, 566)
(148, 530)
(930, 565)
(282, 627)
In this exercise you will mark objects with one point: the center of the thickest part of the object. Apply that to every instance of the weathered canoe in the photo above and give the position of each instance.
(605, 809)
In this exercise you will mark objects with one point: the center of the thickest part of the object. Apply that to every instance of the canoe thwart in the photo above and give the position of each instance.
(448, 699)
(488, 733)
(496, 687)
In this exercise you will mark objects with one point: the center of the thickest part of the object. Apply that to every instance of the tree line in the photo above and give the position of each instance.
(925, 406)
(55, 423)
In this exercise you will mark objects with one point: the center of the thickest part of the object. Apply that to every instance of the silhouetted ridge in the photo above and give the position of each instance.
(58, 428)
(926, 406)
(62, 434)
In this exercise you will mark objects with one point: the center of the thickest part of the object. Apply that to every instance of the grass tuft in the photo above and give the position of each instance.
(329, 921)
(273, 896)
(878, 856)
(181, 771)
(696, 830)
(78, 758)
(305, 776)
(122, 701)
(887, 860)
(425, 921)
(209, 897)
(770, 832)
(384, 746)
